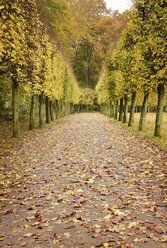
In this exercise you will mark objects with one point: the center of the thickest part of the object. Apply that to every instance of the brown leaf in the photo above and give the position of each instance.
(164, 238)
(157, 228)
(8, 212)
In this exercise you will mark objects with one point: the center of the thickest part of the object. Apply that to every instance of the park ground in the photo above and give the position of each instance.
(83, 182)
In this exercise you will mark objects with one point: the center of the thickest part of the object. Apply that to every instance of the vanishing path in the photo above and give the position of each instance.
(84, 182)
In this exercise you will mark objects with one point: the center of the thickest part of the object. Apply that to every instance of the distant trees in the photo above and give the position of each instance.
(85, 31)
(87, 100)
(138, 65)
(102, 31)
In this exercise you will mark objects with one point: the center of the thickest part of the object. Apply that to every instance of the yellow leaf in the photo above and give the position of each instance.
(107, 217)
(106, 245)
(55, 242)
(137, 240)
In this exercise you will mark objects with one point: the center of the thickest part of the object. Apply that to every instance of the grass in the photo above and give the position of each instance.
(149, 128)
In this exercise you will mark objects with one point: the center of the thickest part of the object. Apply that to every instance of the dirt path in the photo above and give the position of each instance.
(84, 182)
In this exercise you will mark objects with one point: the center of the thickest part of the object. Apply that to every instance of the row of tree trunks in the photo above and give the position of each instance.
(111, 110)
(83, 108)
(53, 110)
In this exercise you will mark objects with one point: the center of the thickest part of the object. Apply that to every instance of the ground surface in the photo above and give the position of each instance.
(84, 182)
(149, 128)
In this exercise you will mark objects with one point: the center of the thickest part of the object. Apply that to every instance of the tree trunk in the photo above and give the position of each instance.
(158, 122)
(41, 122)
(72, 108)
(15, 98)
(61, 110)
(56, 109)
(47, 110)
(125, 117)
(121, 109)
(132, 110)
(112, 110)
(52, 112)
(142, 121)
(116, 111)
(32, 112)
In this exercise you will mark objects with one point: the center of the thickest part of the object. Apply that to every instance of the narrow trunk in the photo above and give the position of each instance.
(15, 98)
(121, 110)
(132, 110)
(142, 121)
(108, 110)
(116, 111)
(125, 117)
(112, 110)
(47, 110)
(158, 122)
(61, 110)
(41, 122)
(65, 109)
(32, 112)
(52, 112)
(56, 109)
(71, 108)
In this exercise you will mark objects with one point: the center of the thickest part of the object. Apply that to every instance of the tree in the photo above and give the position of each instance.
(13, 53)
(151, 45)
(30, 58)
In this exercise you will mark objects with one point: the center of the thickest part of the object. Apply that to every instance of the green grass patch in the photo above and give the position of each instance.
(149, 129)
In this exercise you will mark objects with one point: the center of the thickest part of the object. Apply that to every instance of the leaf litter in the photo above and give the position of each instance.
(84, 182)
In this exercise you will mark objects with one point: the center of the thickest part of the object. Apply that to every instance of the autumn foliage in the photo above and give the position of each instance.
(137, 67)
(32, 61)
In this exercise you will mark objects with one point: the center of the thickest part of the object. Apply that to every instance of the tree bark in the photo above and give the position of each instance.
(41, 121)
(121, 109)
(47, 110)
(56, 109)
(125, 117)
(112, 110)
(158, 122)
(15, 101)
(52, 112)
(116, 111)
(71, 108)
(142, 121)
(32, 112)
(132, 110)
